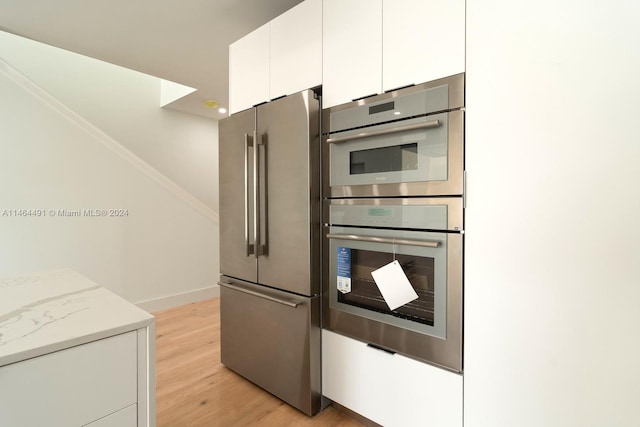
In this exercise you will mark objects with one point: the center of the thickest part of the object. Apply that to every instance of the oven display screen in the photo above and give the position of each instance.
(380, 212)
(388, 106)
(396, 158)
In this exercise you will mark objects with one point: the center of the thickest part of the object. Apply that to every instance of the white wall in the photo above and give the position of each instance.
(552, 279)
(124, 104)
(51, 159)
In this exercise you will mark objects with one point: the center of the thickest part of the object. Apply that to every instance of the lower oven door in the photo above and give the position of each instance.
(429, 327)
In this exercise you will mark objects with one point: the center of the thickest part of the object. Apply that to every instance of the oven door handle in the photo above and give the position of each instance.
(425, 125)
(422, 243)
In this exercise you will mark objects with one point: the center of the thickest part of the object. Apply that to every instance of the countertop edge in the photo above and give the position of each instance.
(22, 356)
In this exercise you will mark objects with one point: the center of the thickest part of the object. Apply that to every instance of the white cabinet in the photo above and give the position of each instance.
(351, 50)
(373, 46)
(249, 70)
(296, 49)
(122, 418)
(423, 40)
(391, 390)
(73, 353)
(72, 387)
(282, 57)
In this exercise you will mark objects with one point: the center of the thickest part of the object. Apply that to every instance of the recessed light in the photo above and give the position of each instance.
(211, 103)
(222, 110)
(397, 113)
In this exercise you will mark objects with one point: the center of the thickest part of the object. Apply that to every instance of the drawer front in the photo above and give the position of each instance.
(389, 389)
(71, 387)
(127, 417)
(272, 338)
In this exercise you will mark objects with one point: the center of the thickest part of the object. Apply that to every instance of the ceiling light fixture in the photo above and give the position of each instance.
(222, 110)
(211, 103)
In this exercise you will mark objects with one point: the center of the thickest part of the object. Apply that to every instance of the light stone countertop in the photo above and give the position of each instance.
(45, 312)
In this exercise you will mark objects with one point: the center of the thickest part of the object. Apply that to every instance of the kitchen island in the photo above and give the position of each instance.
(73, 353)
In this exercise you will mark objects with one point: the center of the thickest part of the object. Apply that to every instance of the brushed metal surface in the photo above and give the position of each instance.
(287, 302)
(455, 212)
(281, 208)
(247, 195)
(421, 243)
(275, 346)
(456, 86)
(446, 353)
(454, 185)
(234, 182)
(290, 210)
(426, 125)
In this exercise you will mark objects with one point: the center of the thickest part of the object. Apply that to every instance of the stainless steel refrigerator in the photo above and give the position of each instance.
(270, 247)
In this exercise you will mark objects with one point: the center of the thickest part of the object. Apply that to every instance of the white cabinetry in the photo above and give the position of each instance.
(122, 418)
(282, 57)
(351, 50)
(391, 390)
(249, 70)
(423, 40)
(296, 49)
(372, 46)
(73, 354)
(71, 387)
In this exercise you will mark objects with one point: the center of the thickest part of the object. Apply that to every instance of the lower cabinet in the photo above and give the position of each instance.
(125, 417)
(93, 383)
(386, 388)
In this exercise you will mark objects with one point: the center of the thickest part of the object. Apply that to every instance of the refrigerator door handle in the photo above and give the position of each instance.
(247, 201)
(262, 207)
(240, 288)
(257, 141)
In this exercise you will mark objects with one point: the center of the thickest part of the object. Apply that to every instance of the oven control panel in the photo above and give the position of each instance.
(421, 217)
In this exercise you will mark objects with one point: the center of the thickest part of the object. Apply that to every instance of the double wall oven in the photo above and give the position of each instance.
(394, 194)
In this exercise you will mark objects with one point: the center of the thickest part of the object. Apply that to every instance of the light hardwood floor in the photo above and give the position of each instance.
(195, 389)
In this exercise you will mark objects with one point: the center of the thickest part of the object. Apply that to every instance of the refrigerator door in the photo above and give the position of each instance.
(289, 226)
(272, 338)
(236, 154)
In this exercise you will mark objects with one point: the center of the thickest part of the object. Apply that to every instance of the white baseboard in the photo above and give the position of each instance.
(163, 303)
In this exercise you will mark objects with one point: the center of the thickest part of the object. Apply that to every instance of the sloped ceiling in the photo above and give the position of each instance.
(184, 41)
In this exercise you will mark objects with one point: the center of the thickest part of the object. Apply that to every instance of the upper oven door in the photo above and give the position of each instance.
(415, 157)
(409, 142)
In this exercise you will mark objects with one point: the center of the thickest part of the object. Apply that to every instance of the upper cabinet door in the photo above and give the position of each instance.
(351, 50)
(424, 40)
(249, 70)
(296, 49)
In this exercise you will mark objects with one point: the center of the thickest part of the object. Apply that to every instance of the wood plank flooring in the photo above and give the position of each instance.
(194, 389)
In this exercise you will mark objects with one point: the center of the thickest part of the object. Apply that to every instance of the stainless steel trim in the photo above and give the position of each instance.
(256, 196)
(239, 288)
(421, 243)
(262, 207)
(273, 345)
(455, 209)
(456, 93)
(464, 189)
(247, 227)
(426, 125)
(446, 353)
(452, 186)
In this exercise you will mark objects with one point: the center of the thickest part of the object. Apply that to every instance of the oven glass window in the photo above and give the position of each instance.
(364, 292)
(396, 158)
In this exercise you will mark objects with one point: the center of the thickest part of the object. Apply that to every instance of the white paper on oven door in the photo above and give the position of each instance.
(394, 285)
